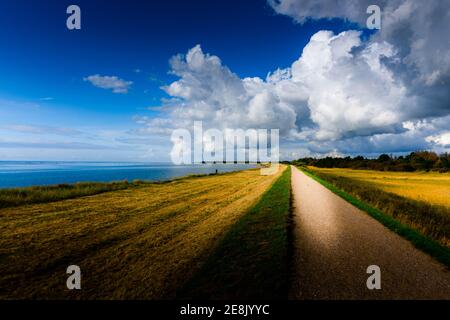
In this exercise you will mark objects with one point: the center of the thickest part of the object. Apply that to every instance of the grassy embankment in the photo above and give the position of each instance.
(44, 194)
(425, 224)
(141, 243)
(251, 261)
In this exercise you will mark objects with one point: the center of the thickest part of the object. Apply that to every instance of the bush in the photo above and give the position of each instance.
(415, 161)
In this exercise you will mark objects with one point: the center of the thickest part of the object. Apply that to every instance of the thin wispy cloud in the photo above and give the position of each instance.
(114, 83)
(38, 129)
(52, 145)
(154, 78)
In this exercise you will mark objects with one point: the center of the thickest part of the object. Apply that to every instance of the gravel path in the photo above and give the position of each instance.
(334, 243)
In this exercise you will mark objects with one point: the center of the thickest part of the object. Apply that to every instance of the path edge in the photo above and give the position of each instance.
(421, 242)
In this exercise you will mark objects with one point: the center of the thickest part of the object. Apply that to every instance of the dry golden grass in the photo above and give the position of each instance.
(139, 243)
(430, 187)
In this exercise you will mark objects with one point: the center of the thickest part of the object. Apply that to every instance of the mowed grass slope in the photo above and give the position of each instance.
(413, 199)
(141, 243)
(251, 261)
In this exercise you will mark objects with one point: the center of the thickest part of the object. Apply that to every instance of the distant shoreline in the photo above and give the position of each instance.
(25, 174)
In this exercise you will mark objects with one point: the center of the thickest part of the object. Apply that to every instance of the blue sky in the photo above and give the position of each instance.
(48, 109)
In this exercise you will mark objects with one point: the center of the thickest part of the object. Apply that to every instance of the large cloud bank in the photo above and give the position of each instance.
(342, 96)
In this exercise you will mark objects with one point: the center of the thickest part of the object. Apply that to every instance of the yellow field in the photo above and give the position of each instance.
(136, 243)
(423, 186)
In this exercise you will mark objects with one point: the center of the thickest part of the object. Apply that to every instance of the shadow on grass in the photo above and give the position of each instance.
(251, 261)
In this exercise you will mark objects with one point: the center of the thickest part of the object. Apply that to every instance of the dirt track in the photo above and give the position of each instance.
(334, 243)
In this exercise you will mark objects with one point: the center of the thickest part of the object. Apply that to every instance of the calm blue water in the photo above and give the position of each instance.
(32, 173)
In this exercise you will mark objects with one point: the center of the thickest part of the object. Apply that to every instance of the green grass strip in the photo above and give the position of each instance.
(251, 261)
(429, 246)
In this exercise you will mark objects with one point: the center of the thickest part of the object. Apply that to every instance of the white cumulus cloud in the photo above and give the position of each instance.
(416, 30)
(328, 93)
(343, 95)
(113, 83)
(441, 139)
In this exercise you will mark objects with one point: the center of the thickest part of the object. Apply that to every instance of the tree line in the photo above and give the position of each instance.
(415, 161)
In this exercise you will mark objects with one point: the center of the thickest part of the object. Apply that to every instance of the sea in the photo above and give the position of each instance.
(39, 173)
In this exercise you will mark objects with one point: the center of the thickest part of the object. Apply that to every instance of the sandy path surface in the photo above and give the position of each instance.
(334, 243)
